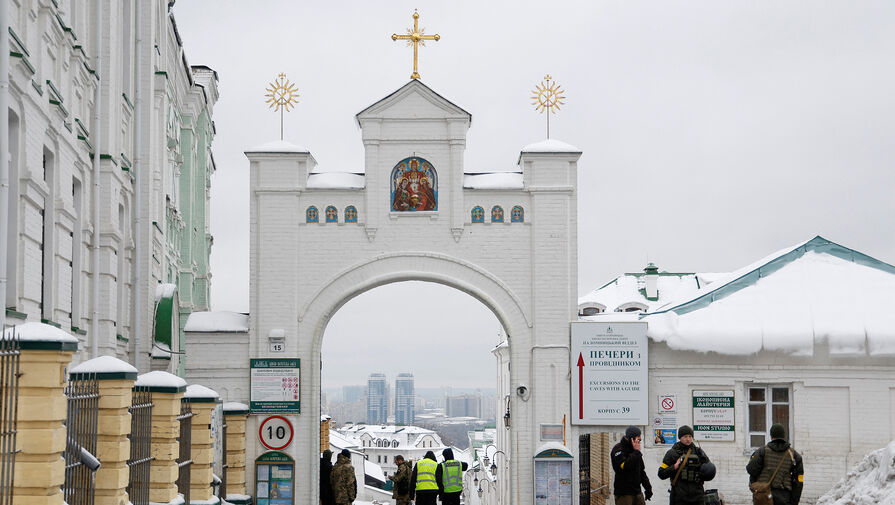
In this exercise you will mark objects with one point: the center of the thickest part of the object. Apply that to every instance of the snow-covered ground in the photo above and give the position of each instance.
(870, 482)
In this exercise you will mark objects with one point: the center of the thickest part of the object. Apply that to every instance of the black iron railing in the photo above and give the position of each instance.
(80, 440)
(9, 411)
(141, 446)
(185, 458)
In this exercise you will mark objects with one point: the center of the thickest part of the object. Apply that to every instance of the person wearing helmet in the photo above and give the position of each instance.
(688, 467)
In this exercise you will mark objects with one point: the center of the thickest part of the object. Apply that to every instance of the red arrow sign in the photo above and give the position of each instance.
(580, 386)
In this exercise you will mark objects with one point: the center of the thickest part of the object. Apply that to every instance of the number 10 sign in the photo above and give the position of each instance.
(275, 433)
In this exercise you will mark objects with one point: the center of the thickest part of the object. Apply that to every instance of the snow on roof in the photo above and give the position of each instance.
(220, 321)
(336, 180)
(234, 406)
(279, 146)
(496, 180)
(200, 391)
(374, 471)
(159, 378)
(39, 332)
(164, 291)
(629, 288)
(870, 481)
(103, 364)
(340, 442)
(550, 146)
(815, 292)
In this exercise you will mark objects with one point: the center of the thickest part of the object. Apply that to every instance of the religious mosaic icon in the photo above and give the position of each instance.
(414, 186)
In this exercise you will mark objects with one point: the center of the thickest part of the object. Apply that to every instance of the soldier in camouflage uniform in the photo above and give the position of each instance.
(786, 487)
(686, 458)
(343, 479)
(401, 478)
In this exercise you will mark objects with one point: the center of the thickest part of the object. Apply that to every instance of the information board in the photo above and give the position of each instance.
(553, 481)
(713, 415)
(274, 479)
(275, 386)
(609, 373)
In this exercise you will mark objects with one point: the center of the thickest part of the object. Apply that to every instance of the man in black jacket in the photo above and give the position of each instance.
(786, 486)
(627, 461)
(684, 461)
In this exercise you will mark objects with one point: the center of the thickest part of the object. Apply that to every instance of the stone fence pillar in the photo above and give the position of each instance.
(116, 380)
(235, 415)
(46, 352)
(167, 392)
(203, 402)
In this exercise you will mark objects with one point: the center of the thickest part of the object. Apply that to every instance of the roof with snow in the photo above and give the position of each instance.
(219, 321)
(335, 180)
(816, 291)
(493, 180)
(551, 146)
(279, 146)
(629, 291)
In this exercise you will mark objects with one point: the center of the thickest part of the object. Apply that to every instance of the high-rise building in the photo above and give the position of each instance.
(404, 398)
(377, 399)
(463, 406)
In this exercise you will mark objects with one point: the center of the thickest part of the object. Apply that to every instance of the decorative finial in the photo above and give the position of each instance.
(416, 37)
(548, 96)
(282, 95)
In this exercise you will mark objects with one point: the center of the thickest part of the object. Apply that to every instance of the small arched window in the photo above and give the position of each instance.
(350, 214)
(478, 214)
(311, 215)
(517, 215)
(332, 215)
(590, 311)
(497, 214)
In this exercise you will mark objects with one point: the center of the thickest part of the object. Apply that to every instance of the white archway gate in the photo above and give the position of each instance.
(509, 240)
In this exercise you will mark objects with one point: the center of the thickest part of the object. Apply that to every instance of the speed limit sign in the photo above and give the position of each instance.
(275, 433)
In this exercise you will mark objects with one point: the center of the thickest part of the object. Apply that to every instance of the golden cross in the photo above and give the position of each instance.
(416, 38)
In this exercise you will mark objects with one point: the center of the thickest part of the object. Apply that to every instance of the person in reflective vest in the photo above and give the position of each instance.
(423, 484)
(450, 478)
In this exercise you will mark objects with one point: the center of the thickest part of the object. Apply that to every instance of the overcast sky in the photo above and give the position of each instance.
(714, 133)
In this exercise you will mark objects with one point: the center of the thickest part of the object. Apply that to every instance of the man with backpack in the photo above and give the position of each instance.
(775, 471)
(688, 467)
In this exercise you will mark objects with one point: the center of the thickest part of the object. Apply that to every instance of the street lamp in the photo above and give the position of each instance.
(487, 461)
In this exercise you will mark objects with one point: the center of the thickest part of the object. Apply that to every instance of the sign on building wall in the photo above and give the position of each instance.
(274, 479)
(713, 417)
(609, 373)
(275, 386)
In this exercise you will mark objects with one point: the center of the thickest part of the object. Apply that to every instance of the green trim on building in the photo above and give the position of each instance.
(161, 389)
(54, 90)
(103, 375)
(51, 323)
(81, 127)
(122, 338)
(201, 400)
(127, 101)
(44, 345)
(36, 86)
(817, 244)
(108, 157)
(77, 330)
(164, 318)
(12, 312)
(61, 107)
(161, 72)
(125, 163)
(27, 63)
(18, 41)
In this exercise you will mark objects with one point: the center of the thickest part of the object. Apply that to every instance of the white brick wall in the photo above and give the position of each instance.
(525, 272)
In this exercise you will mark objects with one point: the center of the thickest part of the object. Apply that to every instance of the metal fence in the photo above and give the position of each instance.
(9, 413)
(222, 490)
(185, 458)
(141, 446)
(80, 440)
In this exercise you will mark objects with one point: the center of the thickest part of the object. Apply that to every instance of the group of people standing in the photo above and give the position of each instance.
(775, 470)
(424, 482)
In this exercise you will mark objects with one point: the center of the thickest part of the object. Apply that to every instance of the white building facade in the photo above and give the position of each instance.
(110, 162)
(509, 240)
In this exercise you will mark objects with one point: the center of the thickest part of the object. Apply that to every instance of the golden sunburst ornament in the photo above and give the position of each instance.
(548, 96)
(282, 95)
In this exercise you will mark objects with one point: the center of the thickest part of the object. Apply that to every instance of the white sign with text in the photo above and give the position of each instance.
(609, 373)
